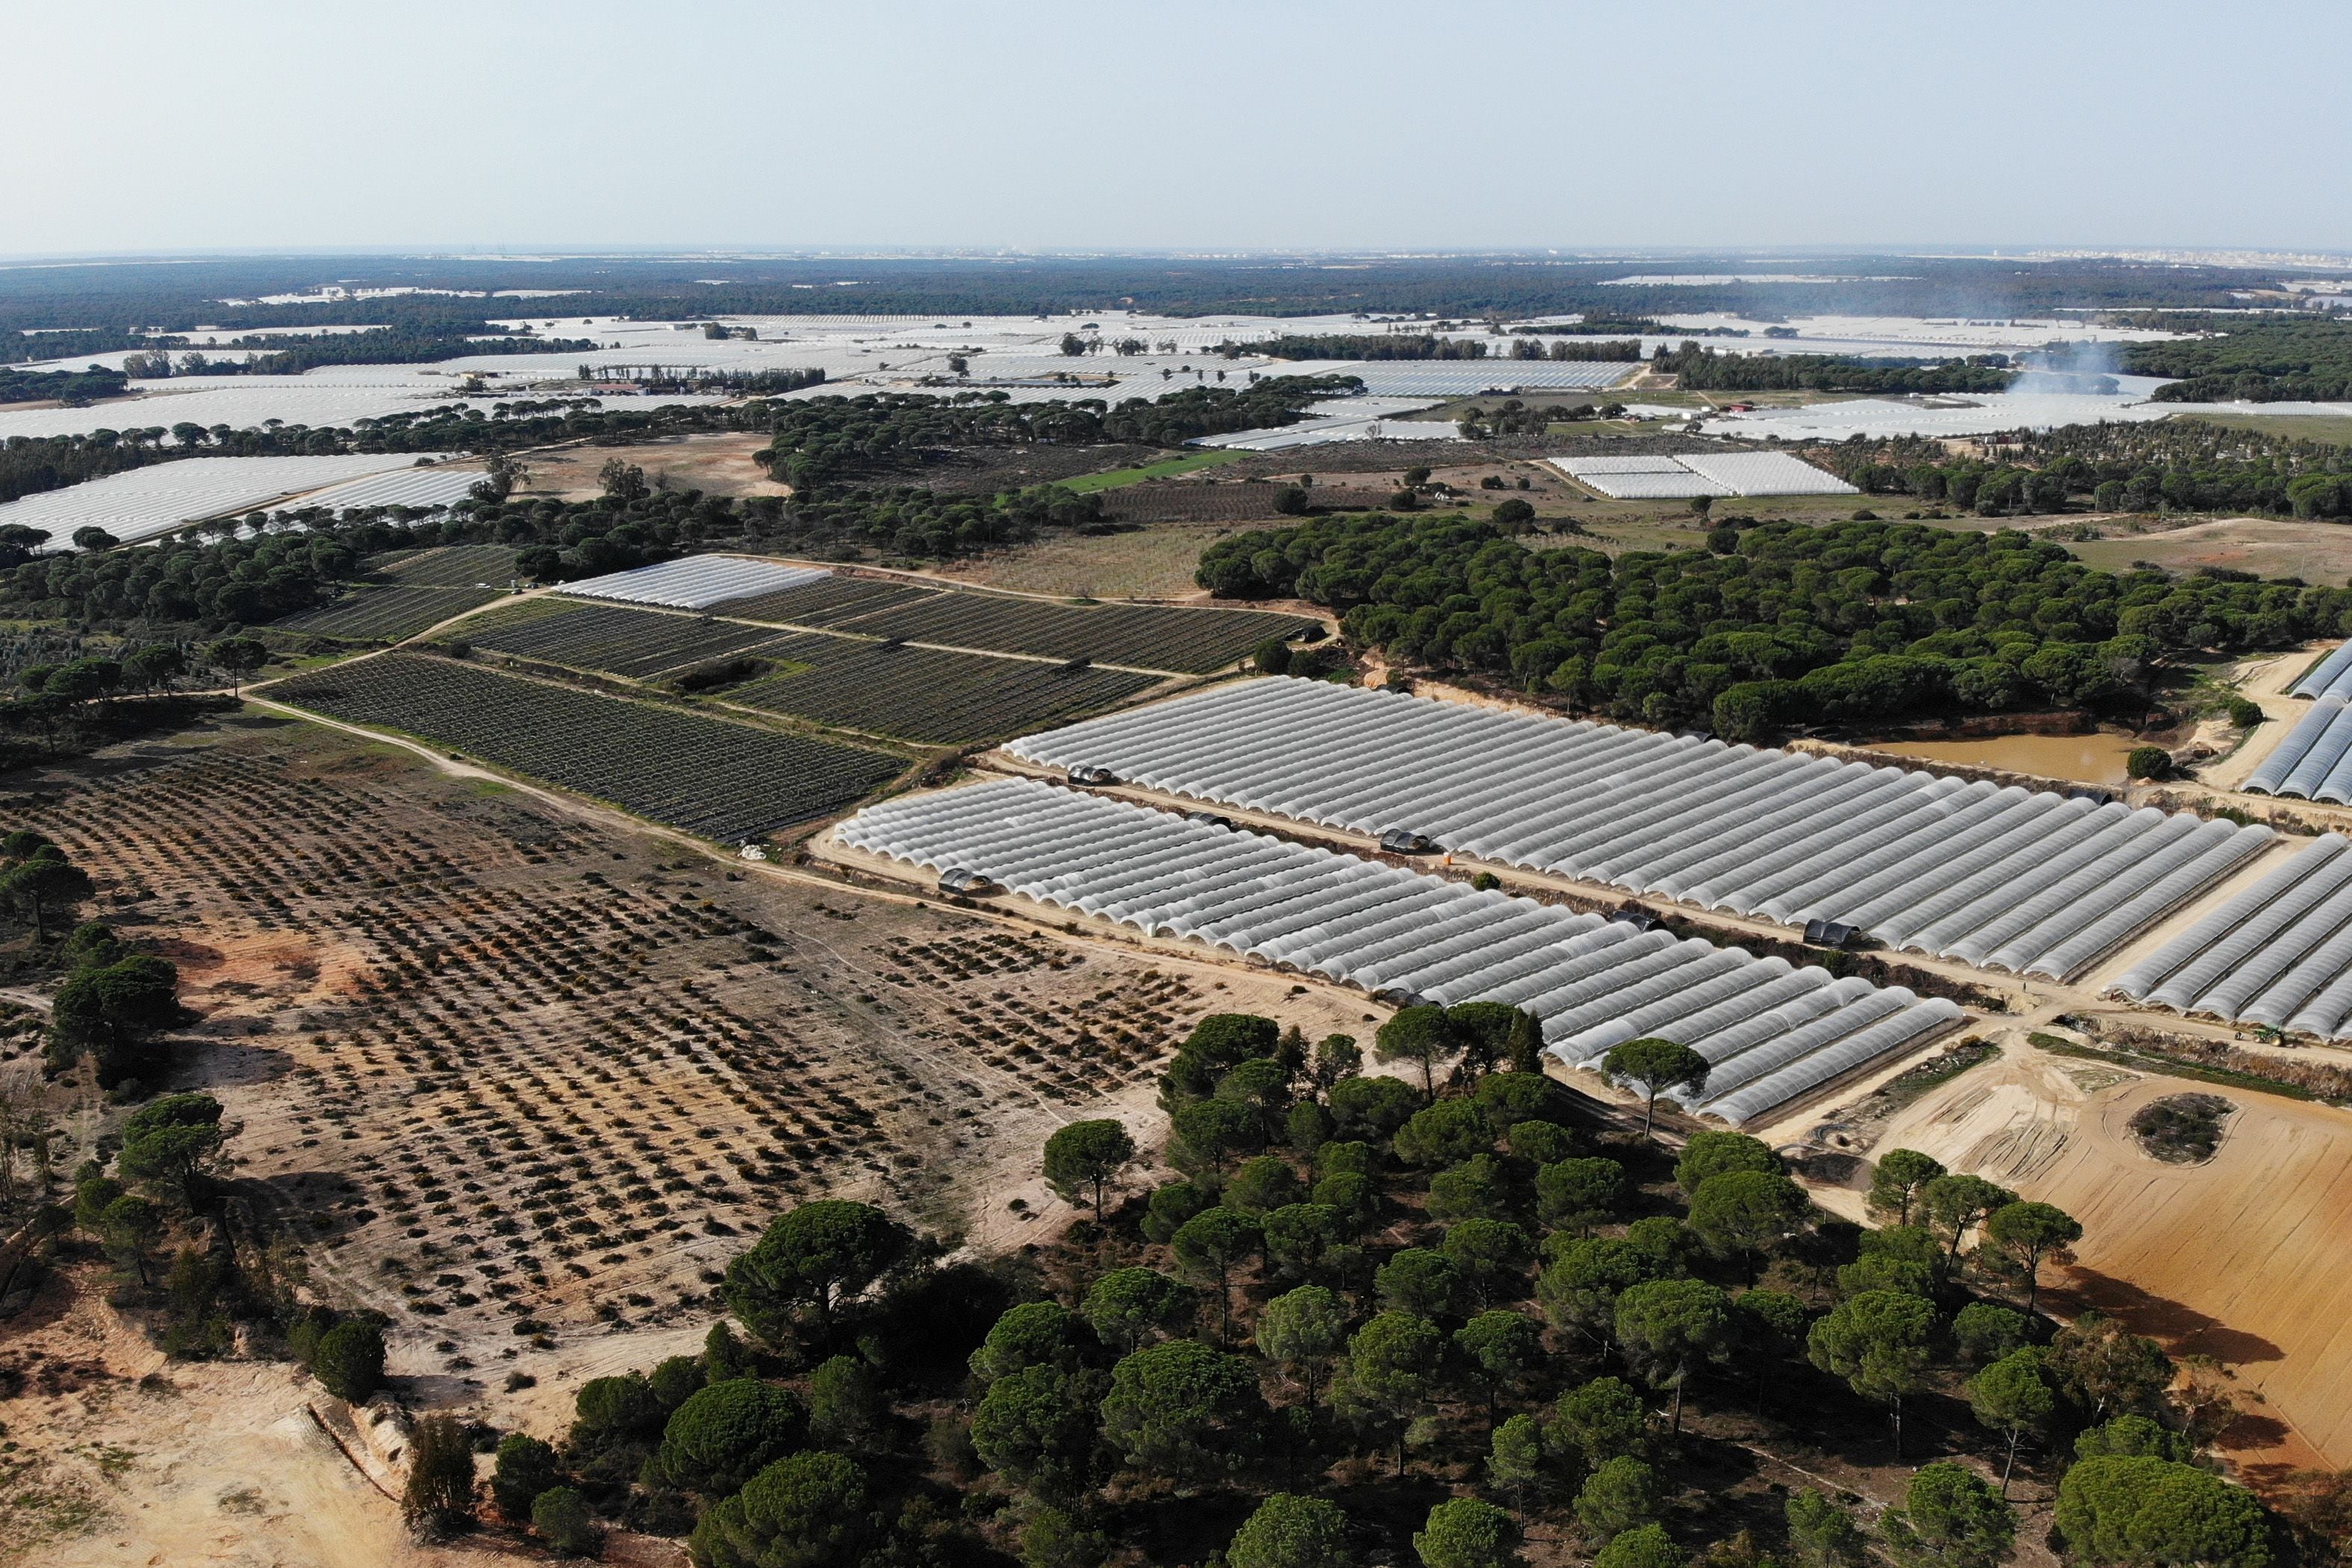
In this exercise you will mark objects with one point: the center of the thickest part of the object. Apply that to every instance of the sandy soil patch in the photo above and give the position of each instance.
(2242, 1258)
(2268, 547)
(716, 465)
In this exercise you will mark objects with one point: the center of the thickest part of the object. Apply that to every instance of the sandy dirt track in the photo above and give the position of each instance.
(2242, 1259)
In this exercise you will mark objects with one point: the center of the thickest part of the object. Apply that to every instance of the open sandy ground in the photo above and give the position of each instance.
(2242, 1258)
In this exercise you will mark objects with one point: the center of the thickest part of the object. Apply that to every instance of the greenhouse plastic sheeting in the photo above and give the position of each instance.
(2278, 953)
(2331, 677)
(2313, 760)
(696, 581)
(1774, 1031)
(2011, 879)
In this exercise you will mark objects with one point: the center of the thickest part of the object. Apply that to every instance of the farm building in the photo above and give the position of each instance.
(1774, 1031)
(2032, 882)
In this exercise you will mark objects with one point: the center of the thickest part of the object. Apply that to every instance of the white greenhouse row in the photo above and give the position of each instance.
(2313, 760)
(1771, 1030)
(2032, 882)
(694, 582)
(2331, 677)
(2280, 953)
(143, 504)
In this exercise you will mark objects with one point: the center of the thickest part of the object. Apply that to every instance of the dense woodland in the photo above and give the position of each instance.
(2284, 358)
(1773, 623)
(71, 388)
(2173, 466)
(1701, 369)
(1374, 1316)
(821, 441)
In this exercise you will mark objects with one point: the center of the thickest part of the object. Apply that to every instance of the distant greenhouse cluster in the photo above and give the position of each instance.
(1772, 1031)
(146, 503)
(2278, 954)
(2032, 882)
(2314, 760)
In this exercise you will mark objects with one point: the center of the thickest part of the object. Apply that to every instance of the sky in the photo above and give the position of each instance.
(1038, 125)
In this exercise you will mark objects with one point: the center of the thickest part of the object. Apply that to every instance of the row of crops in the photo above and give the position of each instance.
(638, 644)
(924, 694)
(446, 566)
(723, 781)
(1150, 637)
(825, 603)
(386, 614)
(1145, 637)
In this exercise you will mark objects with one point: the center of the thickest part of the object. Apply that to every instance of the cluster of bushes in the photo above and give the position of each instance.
(2004, 489)
(1372, 1314)
(1772, 623)
(169, 1162)
(822, 441)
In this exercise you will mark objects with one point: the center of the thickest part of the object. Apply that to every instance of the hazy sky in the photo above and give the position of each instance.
(1259, 123)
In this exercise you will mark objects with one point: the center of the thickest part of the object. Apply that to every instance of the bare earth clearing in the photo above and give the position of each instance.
(715, 464)
(2319, 552)
(2242, 1258)
(502, 1064)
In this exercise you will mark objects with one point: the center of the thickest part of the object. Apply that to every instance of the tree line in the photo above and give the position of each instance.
(1697, 368)
(1367, 346)
(71, 388)
(1772, 623)
(2175, 465)
(823, 441)
(1375, 1316)
(2287, 357)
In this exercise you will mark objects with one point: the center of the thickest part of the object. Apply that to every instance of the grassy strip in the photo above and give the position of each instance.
(1119, 478)
(2167, 1067)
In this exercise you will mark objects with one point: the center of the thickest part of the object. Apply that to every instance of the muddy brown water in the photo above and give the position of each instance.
(2096, 759)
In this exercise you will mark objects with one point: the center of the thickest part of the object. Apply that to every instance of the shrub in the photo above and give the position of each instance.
(561, 1517)
(726, 1434)
(349, 1360)
(526, 1468)
(2148, 762)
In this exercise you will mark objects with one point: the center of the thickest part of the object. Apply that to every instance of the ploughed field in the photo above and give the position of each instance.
(723, 781)
(515, 1077)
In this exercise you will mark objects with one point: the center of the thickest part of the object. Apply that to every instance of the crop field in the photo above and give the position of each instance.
(1182, 641)
(445, 566)
(639, 644)
(723, 781)
(1168, 467)
(1216, 503)
(499, 1065)
(1155, 563)
(822, 604)
(388, 614)
(924, 694)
